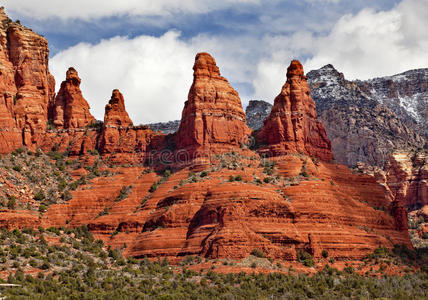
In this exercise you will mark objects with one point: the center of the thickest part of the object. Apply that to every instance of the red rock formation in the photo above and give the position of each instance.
(18, 219)
(29, 54)
(406, 177)
(335, 210)
(10, 136)
(115, 112)
(399, 211)
(129, 143)
(213, 119)
(292, 125)
(70, 109)
(26, 86)
(304, 205)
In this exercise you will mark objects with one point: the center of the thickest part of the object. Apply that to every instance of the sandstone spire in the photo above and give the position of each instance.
(70, 109)
(292, 125)
(26, 86)
(213, 119)
(115, 112)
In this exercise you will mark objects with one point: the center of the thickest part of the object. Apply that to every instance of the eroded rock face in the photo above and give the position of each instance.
(29, 54)
(26, 87)
(292, 125)
(9, 135)
(406, 176)
(115, 112)
(405, 94)
(257, 111)
(305, 204)
(405, 180)
(217, 219)
(364, 123)
(213, 119)
(70, 109)
(120, 136)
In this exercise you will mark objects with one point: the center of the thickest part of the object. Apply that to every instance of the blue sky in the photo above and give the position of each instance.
(146, 48)
(248, 19)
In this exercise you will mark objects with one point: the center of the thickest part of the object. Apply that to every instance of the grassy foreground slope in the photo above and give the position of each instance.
(69, 264)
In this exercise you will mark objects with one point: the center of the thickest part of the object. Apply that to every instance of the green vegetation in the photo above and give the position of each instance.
(415, 225)
(304, 174)
(39, 196)
(123, 193)
(106, 211)
(83, 268)
(154, 187)
(267, 179)
(166, 174)
(305, 258)
(303, 171)
(96, 125)
(42, 208)
(48, 176)
(17, 168)
(235, 178)
(93, 152)
(11, 203)
(269, 167)
(257, 253)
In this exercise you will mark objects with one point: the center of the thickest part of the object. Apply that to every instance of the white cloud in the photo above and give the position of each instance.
(371, 43)
(154, 74)
(84, 9)
(362, 46)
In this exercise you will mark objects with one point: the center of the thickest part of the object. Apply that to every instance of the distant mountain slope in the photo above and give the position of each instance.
(165, 127)
(257, 111)
(366, 120)
(406, 94)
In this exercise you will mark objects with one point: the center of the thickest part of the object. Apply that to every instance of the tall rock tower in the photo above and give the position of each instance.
(292, 125)
(213, 119)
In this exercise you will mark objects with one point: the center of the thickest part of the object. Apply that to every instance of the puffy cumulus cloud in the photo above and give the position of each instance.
(153, 73)
(362, 46)
(83, 9)
(371, 44)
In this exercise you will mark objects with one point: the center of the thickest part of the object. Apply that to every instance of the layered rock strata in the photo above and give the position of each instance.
(213, 119)
(70, 109)
(364, 121)
(26, 87)
(292, 125)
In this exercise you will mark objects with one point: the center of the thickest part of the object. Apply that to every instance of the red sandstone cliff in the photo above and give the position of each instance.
(213, 119)
(301, 206)
(129, 143)
(328, 208)
(26, 87)
(292, 125)
(115, 112)
(406, 176)
(332, 210)
(70, 109)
